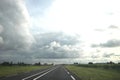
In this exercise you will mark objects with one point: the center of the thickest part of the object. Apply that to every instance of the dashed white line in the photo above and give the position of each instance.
(65, 70)
(68, 72)
(72, 77)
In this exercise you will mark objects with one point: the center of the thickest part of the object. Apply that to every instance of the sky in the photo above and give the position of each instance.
(59, 31)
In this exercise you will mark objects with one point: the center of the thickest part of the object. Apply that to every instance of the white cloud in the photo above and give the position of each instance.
(78, 15)
(62, 29)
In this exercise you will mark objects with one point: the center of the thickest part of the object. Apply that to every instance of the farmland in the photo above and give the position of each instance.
(96, 71)
(11, 70)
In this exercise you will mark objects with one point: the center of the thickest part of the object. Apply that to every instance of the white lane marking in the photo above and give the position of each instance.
(65, 69)
(72, 77)
(43, 74)
(68, 72)
(34, 74)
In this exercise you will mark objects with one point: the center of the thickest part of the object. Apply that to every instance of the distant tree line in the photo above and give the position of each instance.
(12, 64)
(75, 63)
(107, 65)
(22, 64)
(37, 64)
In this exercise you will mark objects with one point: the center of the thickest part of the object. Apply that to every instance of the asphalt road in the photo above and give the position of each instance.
(53, 73)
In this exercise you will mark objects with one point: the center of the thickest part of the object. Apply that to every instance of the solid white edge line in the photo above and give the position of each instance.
(34, 74)
(43, 74)
(72, 77)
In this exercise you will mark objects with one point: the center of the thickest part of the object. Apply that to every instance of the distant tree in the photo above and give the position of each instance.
(75, 62)
(11, 63)
(5, 63)
(21, 64)
(51, 64)
(45, 64)
(90, 62)
(110, 62)
(37, 64)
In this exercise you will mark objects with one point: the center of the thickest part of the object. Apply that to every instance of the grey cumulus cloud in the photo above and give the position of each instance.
(56, 45)
(108, 55)
(56, 51)
(110, 43)
(14, 22)
(15, 36)
(63, 39)
(18, 43)
(48, 46)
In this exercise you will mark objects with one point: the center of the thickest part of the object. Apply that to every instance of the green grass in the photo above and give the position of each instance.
(86, 73)
(11, 70)
(103, 66)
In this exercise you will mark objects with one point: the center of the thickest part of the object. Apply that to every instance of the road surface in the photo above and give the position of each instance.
(53, 73)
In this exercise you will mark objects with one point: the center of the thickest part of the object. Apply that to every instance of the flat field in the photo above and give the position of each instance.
(93, 73)
(11, 70)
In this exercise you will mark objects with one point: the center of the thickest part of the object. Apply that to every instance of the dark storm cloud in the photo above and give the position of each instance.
(110, 43)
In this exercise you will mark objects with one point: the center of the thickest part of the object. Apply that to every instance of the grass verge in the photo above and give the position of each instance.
(11, 70)
(85, 73)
